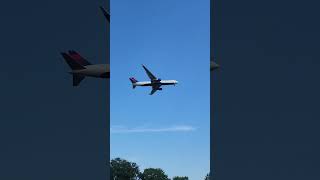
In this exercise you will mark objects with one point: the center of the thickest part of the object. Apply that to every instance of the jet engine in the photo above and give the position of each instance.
(157, 80)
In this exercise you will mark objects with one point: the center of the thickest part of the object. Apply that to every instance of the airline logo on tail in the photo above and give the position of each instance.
(74, 64)
(77, 57)
(133, 80)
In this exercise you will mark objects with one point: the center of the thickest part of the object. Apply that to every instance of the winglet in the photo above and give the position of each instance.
(105, 13)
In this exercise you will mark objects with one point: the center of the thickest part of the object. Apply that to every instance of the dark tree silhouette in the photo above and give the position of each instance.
(153, 174)
(123, 170)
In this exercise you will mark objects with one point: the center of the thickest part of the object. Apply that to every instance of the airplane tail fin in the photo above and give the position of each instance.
(74, 65)
(77, 57)
(133, 81)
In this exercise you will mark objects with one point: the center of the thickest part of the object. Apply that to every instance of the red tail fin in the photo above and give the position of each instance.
(77, 57)
(133, 80)
(74, 65)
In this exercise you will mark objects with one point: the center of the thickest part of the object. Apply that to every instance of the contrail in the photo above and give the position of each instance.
(119, 129)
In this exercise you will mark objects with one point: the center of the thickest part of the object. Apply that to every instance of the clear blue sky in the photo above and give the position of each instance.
(172, 39)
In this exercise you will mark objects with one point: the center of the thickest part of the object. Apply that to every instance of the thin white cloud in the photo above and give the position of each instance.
(122, 129)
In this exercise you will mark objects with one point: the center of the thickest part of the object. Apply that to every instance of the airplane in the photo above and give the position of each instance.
(81, 67)
(106, 13)
(154, 82)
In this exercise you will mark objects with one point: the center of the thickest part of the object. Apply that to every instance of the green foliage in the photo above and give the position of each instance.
(180, 178)
(153, 174)
(123, 170)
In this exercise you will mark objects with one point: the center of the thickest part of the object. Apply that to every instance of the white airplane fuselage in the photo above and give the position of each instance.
(95, 70)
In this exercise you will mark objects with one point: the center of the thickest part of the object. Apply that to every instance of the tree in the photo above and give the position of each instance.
(153, 174)
(180, 178)
(123, 170)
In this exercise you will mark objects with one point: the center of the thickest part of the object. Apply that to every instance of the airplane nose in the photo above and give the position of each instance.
(176, 82)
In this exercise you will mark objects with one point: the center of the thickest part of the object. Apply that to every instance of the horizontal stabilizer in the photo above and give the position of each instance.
(77, 78)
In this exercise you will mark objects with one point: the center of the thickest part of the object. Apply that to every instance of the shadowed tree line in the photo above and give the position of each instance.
(122, 169)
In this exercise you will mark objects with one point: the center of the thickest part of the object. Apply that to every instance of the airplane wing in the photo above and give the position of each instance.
(105, 13)
(151, 76)
(155, 88)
